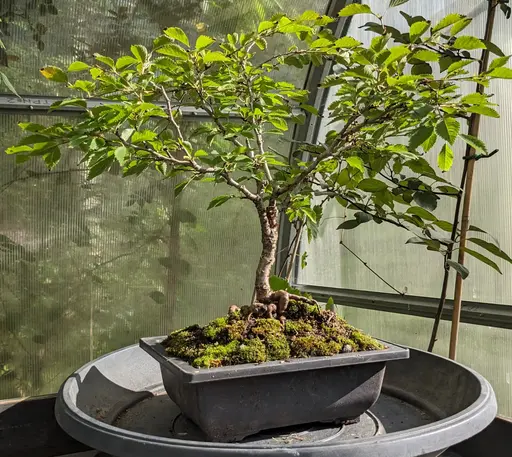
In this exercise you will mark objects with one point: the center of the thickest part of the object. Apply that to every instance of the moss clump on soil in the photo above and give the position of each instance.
(240, 338)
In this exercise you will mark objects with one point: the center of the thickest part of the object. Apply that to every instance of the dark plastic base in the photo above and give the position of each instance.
(116, 404)
(231, 403)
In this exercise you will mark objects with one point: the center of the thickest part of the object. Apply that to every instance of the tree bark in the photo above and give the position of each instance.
(269, 236)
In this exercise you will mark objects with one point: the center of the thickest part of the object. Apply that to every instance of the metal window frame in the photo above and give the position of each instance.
(477, 313)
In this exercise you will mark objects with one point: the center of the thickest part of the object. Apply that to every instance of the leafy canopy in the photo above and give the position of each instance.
(396, 101)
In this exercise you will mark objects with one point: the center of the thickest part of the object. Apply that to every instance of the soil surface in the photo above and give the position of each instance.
(239, 337)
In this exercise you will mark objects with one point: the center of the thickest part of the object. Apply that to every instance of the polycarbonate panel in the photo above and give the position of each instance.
(411, 268)
(485, 349)
(89, 267)
(55, 32)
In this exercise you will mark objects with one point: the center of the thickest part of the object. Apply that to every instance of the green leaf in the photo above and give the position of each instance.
(279, 123)
(491, 47)
(356, 162)
(347, 42)
(429, 143)
(203, 41)
(120, 154)
(69, 102)
(372, 185)
(448, 129)
(215, 56)
(276, 283)
(54, 74)
(100, 166)
(461, 269)
(421, 212)
(474, 142)
(396, 53)
(499, 62)
(144, 135)
(124, 61)
(261, 43)
(458, 65)
(492, 248)
(474, 99)
(426, 56)
(265, 25)
(444, 225)
(460, 25)
(483, 259)
(140, 52)
(52, 157)
(177, 34)
(104, 59)
(426, 200)
(220, 200)
(31, 127)
(321, 43)
(469, 43)
(393, 3)
(173, 50)
(354, 9)
(33, 139)
(78, 66)
(474, 228)
(303, 260)
(18, 149)
(348, 225)
(446, 22)
(417, 29)
(329, 305)
(363, 217)
(421, 135)
(8, 83)
(501, 72)
(445, 158)
(484, 110)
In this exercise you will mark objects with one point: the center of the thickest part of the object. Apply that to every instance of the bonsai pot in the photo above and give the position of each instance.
(233, 402)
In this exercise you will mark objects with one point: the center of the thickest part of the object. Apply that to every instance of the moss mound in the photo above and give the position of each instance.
(240, 338)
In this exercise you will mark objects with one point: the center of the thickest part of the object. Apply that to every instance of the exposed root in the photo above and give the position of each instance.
(274, 306)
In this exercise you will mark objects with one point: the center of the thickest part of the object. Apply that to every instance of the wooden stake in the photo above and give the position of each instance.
(474, 128)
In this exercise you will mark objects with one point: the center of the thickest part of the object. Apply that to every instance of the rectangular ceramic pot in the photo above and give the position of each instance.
(231, 403)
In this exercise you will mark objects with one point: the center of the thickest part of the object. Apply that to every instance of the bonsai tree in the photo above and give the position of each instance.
(397, 100)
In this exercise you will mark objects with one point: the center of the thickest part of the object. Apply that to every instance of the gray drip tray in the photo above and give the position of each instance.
(157, 415)
(116, 404)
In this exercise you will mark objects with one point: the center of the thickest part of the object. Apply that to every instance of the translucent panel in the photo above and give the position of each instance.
(54, 32)
(411, 268)
(485, 349)
(89, 267)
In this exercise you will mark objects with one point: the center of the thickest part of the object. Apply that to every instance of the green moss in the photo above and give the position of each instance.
(252, 351)
(313, 345)
(181, 343)
(214, 328)
(236, 329)
(300, 310)
(265, 327)
(365, 342)
(278, 347)
(217, 355)
(241, 338)
(296, 327)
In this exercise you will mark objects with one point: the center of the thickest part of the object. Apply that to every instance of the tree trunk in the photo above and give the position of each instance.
(269, 237)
